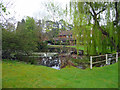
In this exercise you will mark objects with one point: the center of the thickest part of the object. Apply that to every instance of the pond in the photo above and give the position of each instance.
(60, 60)
(60, 57)
(55, 60)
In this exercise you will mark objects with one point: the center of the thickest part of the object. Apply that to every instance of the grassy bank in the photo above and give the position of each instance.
(81, 47)
(21, 75)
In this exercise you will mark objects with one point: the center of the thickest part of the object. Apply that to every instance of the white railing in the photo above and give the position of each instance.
(107, 60)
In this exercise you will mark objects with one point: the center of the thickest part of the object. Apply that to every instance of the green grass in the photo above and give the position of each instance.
(81, 47)
(20, 75)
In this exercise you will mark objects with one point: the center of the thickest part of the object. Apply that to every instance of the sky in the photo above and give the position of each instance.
(33, 8)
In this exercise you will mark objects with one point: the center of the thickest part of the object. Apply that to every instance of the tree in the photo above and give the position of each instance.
(4, 5)
(55, 10)
(27, 30)
(103, 37)
(23, 40)
(9, 43)
(6, 31)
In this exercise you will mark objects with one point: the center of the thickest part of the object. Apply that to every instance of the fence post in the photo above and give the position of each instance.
(116, 56)
(90, 62)
(106, 59)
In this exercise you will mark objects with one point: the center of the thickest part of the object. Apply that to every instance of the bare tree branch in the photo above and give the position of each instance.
(93, 9)
(102, 10)
(91, 13)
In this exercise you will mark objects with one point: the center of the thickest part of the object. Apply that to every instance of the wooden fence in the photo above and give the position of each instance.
(108, 58)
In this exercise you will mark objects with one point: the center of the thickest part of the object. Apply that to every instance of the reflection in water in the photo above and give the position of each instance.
(58, 61)
(54, 60)
(50, 61)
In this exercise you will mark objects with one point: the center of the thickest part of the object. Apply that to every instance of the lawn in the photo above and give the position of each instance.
(81, 47)
(20, 75)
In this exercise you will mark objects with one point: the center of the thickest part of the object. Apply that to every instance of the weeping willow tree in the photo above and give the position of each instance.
(82, 26)
(98, 34)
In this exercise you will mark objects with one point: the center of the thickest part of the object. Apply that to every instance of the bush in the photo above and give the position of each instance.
(83, 60)
(42, 46)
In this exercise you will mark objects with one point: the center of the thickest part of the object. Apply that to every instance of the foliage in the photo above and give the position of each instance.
(28, 31)
(97, 38)
(55, 10)
(22, 41)
(9, 43)
(2, 7)
(42, 46)
(79, 61)
(3, 10)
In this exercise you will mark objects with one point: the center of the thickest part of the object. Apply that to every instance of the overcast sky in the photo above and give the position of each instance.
(32, 8)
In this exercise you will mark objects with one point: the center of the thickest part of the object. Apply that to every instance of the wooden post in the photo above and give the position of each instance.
(90, 62)
(106, 59)
(116, 56)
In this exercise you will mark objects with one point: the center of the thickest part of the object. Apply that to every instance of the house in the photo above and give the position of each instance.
(65, 37)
